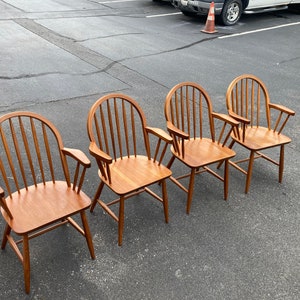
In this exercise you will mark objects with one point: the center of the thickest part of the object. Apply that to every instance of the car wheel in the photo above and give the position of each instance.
(231, 12)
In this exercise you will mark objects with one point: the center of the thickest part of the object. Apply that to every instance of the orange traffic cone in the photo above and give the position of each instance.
(210, 21)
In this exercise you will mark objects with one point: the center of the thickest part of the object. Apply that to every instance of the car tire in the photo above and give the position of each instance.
(231, 12)
(188, 13)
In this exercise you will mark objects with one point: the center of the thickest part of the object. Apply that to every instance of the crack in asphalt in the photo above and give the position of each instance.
(23, 76)
(72, 46)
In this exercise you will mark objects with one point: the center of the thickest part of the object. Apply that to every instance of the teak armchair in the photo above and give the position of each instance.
(191, 123)
(248, 102)
(32, 158)
(120, 142)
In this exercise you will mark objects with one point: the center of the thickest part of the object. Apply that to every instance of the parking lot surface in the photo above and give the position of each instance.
(57, 57)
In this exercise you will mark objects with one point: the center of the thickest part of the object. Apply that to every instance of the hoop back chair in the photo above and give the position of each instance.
(197, 141)
(32, 159)
(248, 102)
(120, 142)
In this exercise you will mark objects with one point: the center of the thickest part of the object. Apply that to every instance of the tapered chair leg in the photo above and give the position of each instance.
(5, 234)
(281, 163)
(165, 200)
(121, 220)
(190, 191)
(97, 195)
(171, 162)
(26, 263)
(249, 172)
(88, 235)
(226, 176)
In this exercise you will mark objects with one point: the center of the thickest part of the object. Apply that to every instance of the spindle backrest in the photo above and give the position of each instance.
(30, 148)
(117, 125)
(188, 107)
(247, 96)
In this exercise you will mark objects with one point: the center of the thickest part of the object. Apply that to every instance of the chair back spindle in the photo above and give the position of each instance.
(26, 155)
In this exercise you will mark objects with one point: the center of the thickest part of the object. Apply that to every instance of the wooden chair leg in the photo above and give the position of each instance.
(88, 235)
(226, 179)
(190, 191)
(5, 234)
(26, 263)
(170, 163)
(230, 147)
(97, 195)
(165, 200)
(121, 220)
(281, 163)
(249, 171)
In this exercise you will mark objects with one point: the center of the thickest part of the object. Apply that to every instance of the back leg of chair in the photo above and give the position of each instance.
(281, 163)
(249, 171)
(87, 234)
(5, 235)
(170, 163)
(190, 190)
(97, 195)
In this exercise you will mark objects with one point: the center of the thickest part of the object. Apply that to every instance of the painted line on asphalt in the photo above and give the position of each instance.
(163, 15)
(117, 1)
(258, 30)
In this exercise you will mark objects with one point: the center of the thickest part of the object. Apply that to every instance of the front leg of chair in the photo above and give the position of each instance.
(121, 220)
(165, 200)
(26, 263)
(249, 171)
(226, 179)
(190, 191)
(97, 195)
(281, 163)
(5, 235)
(87, 233)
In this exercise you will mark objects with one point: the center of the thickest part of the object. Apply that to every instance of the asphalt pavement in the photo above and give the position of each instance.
(56, 61)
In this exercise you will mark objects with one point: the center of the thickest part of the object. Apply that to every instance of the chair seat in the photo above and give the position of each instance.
(132, 173)
(42, 205)
(259, 138)
(201, 152)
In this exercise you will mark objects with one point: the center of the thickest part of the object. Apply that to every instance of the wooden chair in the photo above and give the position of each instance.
(32, 158)
(120, 143)
(248, 102)
(192, 124)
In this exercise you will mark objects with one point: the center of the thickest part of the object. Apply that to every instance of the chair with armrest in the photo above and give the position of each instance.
(37, 192)
(120, 143)
(199, 135)
(248, 102)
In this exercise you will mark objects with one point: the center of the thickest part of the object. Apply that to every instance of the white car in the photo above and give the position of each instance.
(230, 11)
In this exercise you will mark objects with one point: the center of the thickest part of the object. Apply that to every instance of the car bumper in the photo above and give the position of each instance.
(202, 7)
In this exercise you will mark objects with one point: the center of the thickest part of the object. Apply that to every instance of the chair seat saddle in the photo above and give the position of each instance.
(211, 152)
(258, 138)
(43, 205)
(137, 171)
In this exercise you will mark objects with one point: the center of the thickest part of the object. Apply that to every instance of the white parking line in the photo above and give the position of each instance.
(163, 15)
(258, 30)
(116, 1)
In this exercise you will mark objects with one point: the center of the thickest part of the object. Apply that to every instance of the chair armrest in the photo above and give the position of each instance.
(97, 153)
(226, 118)
(160, 133)
(282, 108)
(77, 155)
(174, 130)
(239, 118)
